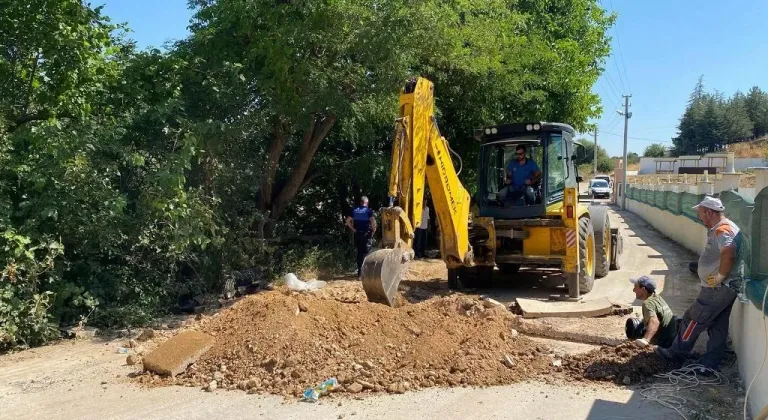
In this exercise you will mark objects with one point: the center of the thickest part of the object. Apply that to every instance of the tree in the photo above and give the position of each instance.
(604, 162)
(738, 125)
(51, 61)
(654, 150)
(756, 103)
(711, 121)
(633, 158)
(306, 78)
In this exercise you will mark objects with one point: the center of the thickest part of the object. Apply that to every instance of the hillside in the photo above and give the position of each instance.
(750, 149)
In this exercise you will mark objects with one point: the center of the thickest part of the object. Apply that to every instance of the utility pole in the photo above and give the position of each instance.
(627, 115)
(595, 158)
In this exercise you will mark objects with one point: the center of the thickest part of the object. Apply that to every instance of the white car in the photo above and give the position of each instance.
(599, 188)
(606, 178)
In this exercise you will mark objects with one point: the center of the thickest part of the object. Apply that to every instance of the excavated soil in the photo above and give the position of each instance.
(282, 342)
(624, 364)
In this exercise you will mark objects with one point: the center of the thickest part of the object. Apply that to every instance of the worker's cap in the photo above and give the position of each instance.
(711, 203)
(645, 281)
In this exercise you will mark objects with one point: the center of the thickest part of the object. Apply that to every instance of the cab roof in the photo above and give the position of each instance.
(501, 131)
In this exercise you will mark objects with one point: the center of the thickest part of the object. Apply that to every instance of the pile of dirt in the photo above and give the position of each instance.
(625, 364)
(281, 342)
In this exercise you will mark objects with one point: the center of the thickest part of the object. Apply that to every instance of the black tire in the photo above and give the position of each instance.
(453, 278)
(509, 268)
(601, 225)
(586, 274)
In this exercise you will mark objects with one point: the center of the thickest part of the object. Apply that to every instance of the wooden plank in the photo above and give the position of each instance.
(541, 309)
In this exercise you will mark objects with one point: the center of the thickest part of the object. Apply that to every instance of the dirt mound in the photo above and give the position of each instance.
(281, 343)
(618, 363)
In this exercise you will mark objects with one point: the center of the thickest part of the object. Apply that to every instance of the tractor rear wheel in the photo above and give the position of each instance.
(601, 224)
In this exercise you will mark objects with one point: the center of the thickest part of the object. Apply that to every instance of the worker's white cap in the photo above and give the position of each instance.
(711, 203)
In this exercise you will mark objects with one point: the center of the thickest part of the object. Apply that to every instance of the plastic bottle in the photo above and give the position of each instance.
(313, 394)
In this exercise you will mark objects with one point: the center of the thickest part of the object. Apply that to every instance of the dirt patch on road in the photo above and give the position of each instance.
(281, 343)
(607, 330)
(624, 364)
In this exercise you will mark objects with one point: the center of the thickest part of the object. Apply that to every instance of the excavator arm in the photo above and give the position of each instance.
(420, 157)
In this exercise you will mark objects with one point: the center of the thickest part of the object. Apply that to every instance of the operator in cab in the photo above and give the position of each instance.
(522, 174)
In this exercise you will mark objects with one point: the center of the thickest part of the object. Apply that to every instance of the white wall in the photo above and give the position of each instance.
(648, 166)
(681, 229)
(747, 330)
(749, 334)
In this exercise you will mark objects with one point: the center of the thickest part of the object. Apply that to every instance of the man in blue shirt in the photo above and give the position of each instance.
(522, 173)
(363, 224)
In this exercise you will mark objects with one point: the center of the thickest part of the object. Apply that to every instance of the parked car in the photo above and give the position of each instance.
(599, 188)
(606, 178)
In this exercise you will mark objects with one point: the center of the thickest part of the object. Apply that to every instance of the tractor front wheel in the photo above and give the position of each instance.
(586, 255)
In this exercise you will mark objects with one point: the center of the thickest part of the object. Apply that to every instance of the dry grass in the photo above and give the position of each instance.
(751, 149)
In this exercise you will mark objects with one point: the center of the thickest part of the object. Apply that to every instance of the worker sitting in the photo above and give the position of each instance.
(658, 325)
(522, 174)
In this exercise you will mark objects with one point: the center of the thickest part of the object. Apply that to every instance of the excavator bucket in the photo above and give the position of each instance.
(382, 271)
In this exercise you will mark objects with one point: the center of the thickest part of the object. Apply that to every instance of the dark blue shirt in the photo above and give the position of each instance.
(522, 172)
(361, 216)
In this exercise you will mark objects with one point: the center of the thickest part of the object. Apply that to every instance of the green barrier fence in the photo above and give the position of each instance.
(672, 202)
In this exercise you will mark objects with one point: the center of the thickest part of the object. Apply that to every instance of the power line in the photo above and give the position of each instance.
(638, 138)
(621, 55)
(611, 123)
(615, 97)
(612, 84)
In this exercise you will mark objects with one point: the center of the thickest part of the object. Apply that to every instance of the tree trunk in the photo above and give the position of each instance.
(276, 148)
(313, 136)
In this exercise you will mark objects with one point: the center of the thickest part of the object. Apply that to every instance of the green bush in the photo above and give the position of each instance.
(27, 282)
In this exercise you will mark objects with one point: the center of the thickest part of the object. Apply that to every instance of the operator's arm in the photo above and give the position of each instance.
(651, 327)
(350, 224)
(535, 174)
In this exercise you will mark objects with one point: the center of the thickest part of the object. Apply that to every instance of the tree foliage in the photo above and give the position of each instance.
(654, 150)
(129, 179)
(604, 162)
(712, 121)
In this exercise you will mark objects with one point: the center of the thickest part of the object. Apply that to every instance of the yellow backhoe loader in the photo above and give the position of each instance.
(546, 227)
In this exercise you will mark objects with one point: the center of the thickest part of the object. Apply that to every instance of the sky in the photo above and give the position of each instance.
(659, 49)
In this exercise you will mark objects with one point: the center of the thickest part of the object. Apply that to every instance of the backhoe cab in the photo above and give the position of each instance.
(535, 221)
(526, 212)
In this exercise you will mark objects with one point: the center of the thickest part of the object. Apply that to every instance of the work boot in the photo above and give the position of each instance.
(665, 353)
